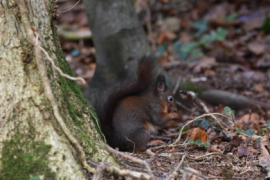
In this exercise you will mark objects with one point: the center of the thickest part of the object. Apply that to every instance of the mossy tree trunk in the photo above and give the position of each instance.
(32, 143)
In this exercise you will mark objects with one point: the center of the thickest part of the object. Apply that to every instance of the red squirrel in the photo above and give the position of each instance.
(132, 109)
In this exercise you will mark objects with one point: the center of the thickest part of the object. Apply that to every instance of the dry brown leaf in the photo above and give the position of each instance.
(259, 87)
(197, 134)
(204, 63)
(170, 35)
(264, 159)
(156, 142)
(250, 120)
(215, 148)
(170, 24)
(161, 38)
(256, 48)
(243, 151)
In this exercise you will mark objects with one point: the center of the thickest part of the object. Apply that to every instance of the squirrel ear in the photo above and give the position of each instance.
(161, 84)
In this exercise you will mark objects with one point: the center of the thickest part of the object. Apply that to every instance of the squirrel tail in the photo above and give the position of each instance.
(145, 76)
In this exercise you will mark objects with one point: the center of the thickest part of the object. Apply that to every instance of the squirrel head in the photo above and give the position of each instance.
(165, 95)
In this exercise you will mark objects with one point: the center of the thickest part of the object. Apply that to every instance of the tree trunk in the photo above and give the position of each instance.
(32, 142)
(119, 39)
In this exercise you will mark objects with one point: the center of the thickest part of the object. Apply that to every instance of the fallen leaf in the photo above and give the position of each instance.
(197, 134)
(242, 151)
(264, 159)
(251, 120)
(259, 87)
(170, 24)
(256, 48)
(156, 142)
(161, 38)
(204, 63)
(236, 141)
(215, 148)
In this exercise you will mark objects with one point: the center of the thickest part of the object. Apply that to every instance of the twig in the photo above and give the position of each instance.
(211, 154)
(131, 158)
(46, 83)
(202, 105)
(174, 173)
(134, 174)
(191, 121)
(54, 66)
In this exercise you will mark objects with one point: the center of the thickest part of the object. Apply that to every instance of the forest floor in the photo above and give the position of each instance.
(218, 45)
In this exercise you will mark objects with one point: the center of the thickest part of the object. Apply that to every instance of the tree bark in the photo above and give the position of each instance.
(119, 39)
(32, 142)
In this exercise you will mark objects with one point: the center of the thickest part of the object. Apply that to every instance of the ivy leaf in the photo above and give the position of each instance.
(231, 17)
(249, 132)
(207, 144)
(228, 111)
(197, 52)
(238, 130)
(198, 142)
(204, 124)
(221, 33)
(201, 26)
(161, 49)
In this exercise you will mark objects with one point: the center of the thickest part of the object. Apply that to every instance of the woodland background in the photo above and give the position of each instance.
(214, 45)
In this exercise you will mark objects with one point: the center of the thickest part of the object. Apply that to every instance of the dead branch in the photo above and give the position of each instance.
(131, 158)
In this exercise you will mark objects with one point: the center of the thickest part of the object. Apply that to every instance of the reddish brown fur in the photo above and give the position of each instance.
(131, 108)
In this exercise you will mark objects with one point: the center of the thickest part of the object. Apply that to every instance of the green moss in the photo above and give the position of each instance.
(72, 94)
(191, 87)
(24, 158)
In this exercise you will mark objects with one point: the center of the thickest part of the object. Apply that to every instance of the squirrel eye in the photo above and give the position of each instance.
(170, 98)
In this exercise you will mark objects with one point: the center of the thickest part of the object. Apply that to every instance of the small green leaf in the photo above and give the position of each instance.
(189, 46)
(34, 177)
(249, 132)
(185, 129)
(228, 111)
(268, 123)
(207, 144)
(201, 26)
(258, 140)
(204, 123)
(197, 52)
(221, 34)
(217, 35)
(238, 130)
(190, 141)
(161, 49)
(198, 142)
(231, 17)
(261, 131)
